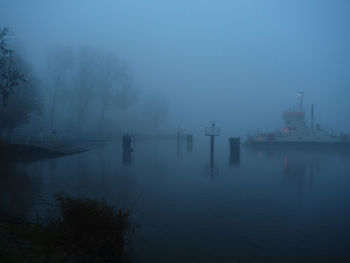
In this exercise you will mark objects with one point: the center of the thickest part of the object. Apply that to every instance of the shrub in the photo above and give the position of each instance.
(87, 229)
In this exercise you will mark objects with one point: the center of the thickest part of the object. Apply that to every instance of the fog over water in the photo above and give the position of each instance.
(271, 206)
(163, 70)
(239, 63)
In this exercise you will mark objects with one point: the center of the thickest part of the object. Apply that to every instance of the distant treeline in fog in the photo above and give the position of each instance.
(84, 91)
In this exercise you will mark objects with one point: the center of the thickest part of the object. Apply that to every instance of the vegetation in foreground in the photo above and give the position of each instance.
(75, 230)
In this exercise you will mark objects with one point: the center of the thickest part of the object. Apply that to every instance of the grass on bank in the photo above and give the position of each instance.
(78, 229)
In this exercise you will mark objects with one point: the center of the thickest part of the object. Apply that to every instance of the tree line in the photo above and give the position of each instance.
(83, 91)
(88, 88)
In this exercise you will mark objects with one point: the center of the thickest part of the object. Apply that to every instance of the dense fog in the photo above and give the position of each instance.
(107, 67)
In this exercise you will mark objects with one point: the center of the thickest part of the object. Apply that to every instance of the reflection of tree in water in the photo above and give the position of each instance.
(96, 175)
(18, 190)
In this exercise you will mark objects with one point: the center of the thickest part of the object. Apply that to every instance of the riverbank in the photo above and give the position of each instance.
(34, 152)
(17, 241)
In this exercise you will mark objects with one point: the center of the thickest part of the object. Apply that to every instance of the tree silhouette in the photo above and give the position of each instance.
(10, 75)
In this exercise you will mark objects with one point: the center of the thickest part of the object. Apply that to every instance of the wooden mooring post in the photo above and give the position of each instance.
(235, 151)
(189, 141)
(128, 144)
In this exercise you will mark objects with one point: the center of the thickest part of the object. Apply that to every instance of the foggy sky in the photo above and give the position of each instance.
(240, 63)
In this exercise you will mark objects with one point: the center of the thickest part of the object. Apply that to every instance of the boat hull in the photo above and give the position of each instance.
(299, 145)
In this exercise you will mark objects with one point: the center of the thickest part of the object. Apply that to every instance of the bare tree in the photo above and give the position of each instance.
(22, 103)
(114, 85)
(108, 78)
(85, 82)
(59, 62)
(157, 110)
(10, 75)
(88, 84)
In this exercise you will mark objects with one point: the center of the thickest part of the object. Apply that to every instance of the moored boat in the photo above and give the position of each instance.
(296, 134)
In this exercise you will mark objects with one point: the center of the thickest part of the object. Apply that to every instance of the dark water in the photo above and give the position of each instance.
(265, 207)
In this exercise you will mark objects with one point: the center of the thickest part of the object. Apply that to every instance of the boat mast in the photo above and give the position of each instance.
(300, 97)
(312, 117)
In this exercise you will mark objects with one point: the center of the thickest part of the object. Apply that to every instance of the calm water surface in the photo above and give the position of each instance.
(265, 207)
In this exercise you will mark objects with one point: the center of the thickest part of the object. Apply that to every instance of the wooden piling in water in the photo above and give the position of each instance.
(234, 144)
(189, 141)
(128, 144)
(212, 150)
(234, 150)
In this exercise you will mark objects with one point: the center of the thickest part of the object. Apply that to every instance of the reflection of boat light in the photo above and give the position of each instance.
(285, 161)
(297, 134)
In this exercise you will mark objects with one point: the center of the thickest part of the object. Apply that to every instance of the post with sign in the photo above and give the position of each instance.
(212, 132)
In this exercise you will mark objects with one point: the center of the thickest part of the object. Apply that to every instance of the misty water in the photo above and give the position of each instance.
(267, 206)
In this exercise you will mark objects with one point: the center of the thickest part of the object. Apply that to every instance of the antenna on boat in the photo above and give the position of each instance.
(312, 117)
(300, 97)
